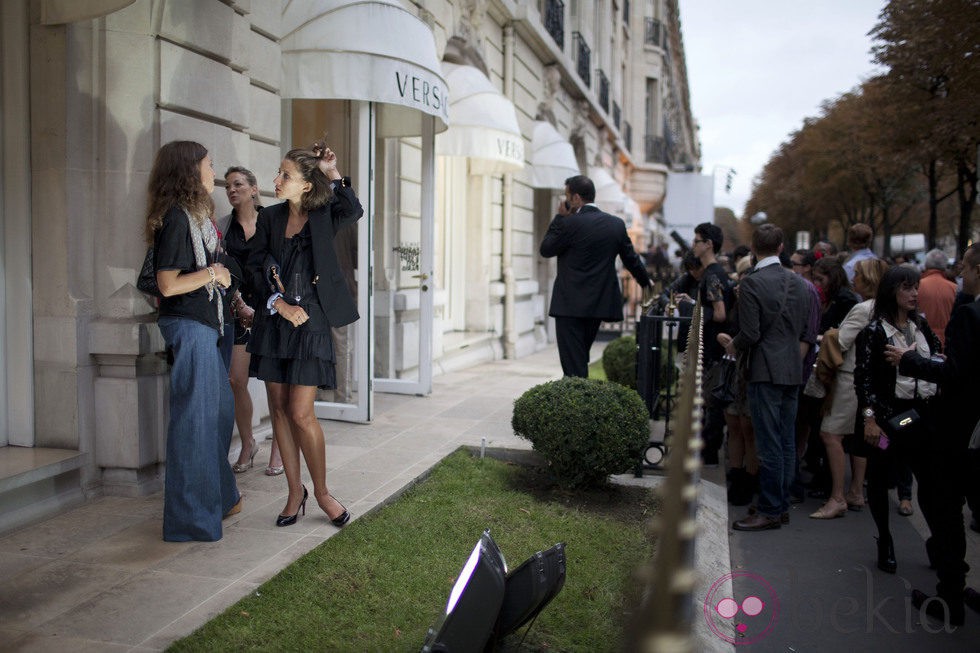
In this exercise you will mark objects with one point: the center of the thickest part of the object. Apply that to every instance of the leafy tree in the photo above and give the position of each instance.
(932, 51)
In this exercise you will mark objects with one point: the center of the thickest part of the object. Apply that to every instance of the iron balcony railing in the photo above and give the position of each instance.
(583, 58)
(653, 34)
(603, 89)
(616, 115)
(656, 150)
(554, 20)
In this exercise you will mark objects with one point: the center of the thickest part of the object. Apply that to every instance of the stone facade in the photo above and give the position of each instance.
(86, 104)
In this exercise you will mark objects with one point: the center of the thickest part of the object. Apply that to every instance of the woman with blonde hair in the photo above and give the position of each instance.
(301, 293)
(839, 421)
(200, 488)
(237, 229)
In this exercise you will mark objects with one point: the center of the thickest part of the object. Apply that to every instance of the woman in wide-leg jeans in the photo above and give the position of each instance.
(200, 488)
(201, 406)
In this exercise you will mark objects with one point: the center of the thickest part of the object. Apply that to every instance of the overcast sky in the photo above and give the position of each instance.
(757, 68)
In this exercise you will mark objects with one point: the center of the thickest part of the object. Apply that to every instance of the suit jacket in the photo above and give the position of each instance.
(957, 376)
(587, 244)
(331, 284)
(773, 308)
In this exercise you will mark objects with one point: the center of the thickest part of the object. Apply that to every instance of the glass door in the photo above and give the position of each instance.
(403, 260)
(349, 127)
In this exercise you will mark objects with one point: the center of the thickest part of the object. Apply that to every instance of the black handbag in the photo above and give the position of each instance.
(147, 280)
(724, 390)
(905, 422)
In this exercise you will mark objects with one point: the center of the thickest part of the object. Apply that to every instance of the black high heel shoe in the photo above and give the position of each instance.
(289, 520)
(342, 519)
(886, 555)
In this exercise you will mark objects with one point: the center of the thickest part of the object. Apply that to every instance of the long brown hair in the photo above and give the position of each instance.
(307, 160)
(175, 180)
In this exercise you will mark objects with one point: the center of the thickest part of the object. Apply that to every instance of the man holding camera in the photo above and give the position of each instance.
(586, 292)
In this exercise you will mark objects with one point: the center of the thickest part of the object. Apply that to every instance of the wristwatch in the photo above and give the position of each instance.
(868, 413)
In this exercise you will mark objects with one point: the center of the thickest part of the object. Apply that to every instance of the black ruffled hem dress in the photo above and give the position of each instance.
(282, 353)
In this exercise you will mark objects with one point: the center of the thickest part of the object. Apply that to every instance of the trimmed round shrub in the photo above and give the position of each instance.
(585, 428)
(619, 361)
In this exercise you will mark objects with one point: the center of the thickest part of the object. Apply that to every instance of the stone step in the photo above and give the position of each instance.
(37, 482)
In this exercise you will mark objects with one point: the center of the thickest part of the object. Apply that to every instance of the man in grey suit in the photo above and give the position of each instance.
(586, 291)
(773, 305)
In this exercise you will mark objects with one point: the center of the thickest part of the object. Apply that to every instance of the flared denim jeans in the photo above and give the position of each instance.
(200, 486)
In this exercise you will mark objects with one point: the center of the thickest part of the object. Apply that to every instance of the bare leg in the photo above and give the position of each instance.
(243, 401)
(859, 466)
(275, 458)
(308, 436)
(279, 396)
(835, 460)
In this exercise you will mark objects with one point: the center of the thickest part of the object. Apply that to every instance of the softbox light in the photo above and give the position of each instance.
(530, 587)
(474, 603)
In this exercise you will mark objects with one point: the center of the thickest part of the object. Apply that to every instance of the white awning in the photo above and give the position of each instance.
(608, 195)
(60, 12)
(483, 123)
(552, 157)
(373, 50)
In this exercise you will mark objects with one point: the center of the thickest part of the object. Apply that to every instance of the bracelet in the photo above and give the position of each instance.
(211, 272)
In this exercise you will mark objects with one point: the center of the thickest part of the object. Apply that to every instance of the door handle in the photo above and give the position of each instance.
(422, 276)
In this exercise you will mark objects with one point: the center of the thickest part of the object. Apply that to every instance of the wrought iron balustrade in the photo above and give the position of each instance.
(653, 34)
(603, 90)
(553, 15)
(656, 150)
(583, 58)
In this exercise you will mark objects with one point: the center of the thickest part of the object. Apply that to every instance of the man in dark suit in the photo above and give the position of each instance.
(773, 305)
(586, 292)
(949, 470)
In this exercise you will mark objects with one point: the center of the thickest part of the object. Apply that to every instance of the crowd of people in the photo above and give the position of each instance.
(852, 375)
(226, 315)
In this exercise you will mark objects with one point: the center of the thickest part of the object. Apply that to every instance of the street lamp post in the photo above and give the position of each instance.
(729, 176)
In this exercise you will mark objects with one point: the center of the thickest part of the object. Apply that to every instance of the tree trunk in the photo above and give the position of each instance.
(966, 193)
(933, 204)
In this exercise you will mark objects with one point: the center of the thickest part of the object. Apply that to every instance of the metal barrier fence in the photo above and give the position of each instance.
(663, 621)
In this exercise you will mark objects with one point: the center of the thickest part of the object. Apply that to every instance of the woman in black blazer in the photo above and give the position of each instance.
(301, 293)
(882, 393)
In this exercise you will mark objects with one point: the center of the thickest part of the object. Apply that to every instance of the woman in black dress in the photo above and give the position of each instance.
(237, 229)
(300, 294)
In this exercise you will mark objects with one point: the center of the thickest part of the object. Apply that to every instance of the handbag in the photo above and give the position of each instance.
(904, 422)
(724, 390)
(147, 280)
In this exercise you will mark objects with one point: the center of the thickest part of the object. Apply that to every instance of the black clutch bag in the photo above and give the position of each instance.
(904, 422)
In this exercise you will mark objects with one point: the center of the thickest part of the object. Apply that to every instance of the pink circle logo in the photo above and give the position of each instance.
(741, 621)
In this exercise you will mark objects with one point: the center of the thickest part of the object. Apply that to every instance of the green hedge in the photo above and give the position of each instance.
(586, 429)
(619, 361)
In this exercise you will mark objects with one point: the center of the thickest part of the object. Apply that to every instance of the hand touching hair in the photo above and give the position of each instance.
(318, 165)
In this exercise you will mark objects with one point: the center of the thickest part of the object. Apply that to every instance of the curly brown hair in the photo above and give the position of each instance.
(307, 160)
(175, 180)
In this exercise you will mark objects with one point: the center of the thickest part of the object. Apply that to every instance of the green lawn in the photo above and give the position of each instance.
(380, 583)
(596, 371)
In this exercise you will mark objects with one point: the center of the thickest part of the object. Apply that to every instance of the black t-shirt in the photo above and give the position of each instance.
(173, 251)
(237, 248)
(715, 286)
